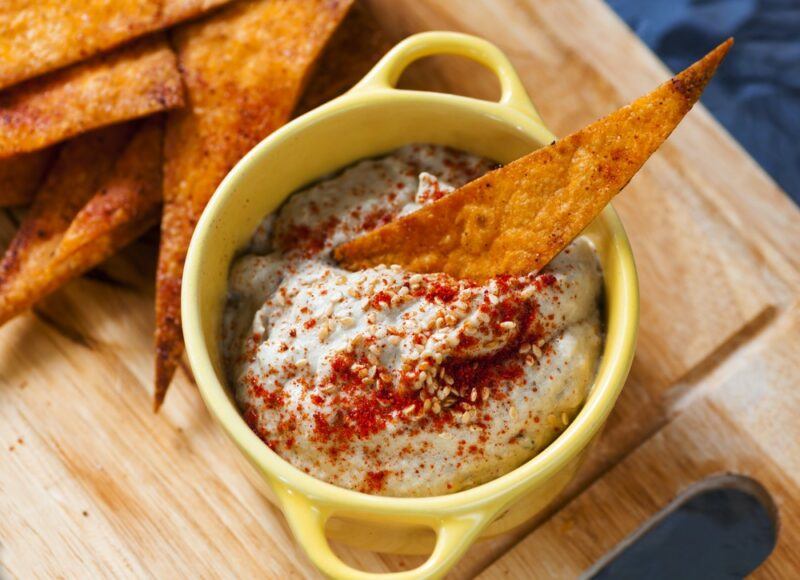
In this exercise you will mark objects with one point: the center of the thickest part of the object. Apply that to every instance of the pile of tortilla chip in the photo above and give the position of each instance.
(117, 115)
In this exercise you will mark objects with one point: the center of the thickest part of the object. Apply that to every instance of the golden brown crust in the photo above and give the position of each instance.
(103, 191)
(39, 36)
(76, 174)
(126, 205)
(21, 175)
(134, 81)
(514, 220)
(244, 69)
(352, 51)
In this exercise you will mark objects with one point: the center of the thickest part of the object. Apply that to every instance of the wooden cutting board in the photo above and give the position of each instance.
(92, 483)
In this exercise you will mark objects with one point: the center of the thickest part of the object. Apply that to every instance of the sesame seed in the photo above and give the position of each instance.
(564, 418)
(375, 349)
(422, 376)
(403, 291)
(448, 379)
(415, 279)
(386, 377)
(396, 267)
(426, 406)
(353, 293)
(493, 299)
(473, 396)
(347, 322)
(394, 340)
(341, 280)
(512, 412)
(537, 352)
(442, 393)
(466, 417)
(324, 332)
(485, 393)
(452, 340)
(527, 292)
(525, 348)
(302, 362)
(436, 407)
(445, 435)
(508, 324)
(552, 420)
(408, 410)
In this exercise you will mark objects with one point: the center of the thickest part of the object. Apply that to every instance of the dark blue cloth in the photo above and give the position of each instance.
(756, 92)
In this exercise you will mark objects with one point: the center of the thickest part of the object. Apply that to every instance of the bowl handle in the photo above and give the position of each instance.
(454, 535)
(385, 74)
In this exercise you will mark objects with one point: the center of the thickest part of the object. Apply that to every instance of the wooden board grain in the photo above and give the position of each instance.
(97, 485)
(746, 426)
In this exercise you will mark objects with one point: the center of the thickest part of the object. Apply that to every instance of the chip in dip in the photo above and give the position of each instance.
(395, 383)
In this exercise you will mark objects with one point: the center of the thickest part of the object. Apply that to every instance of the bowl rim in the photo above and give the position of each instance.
(349, 502)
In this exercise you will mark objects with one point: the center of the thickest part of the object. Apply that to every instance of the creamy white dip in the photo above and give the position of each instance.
(396, 383)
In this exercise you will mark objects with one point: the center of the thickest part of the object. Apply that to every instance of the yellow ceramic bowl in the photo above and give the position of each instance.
(372, 119)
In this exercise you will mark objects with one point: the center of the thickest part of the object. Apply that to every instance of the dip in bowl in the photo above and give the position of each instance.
(371, 121)
(390, 382)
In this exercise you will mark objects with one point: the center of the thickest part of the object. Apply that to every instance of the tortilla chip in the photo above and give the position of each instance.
(81, 167)
(38, 36)
(353, 50)
(245, 68)
(126, 206)
(21, 175)
(134, 81)
(103, 192)
(515, 219)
